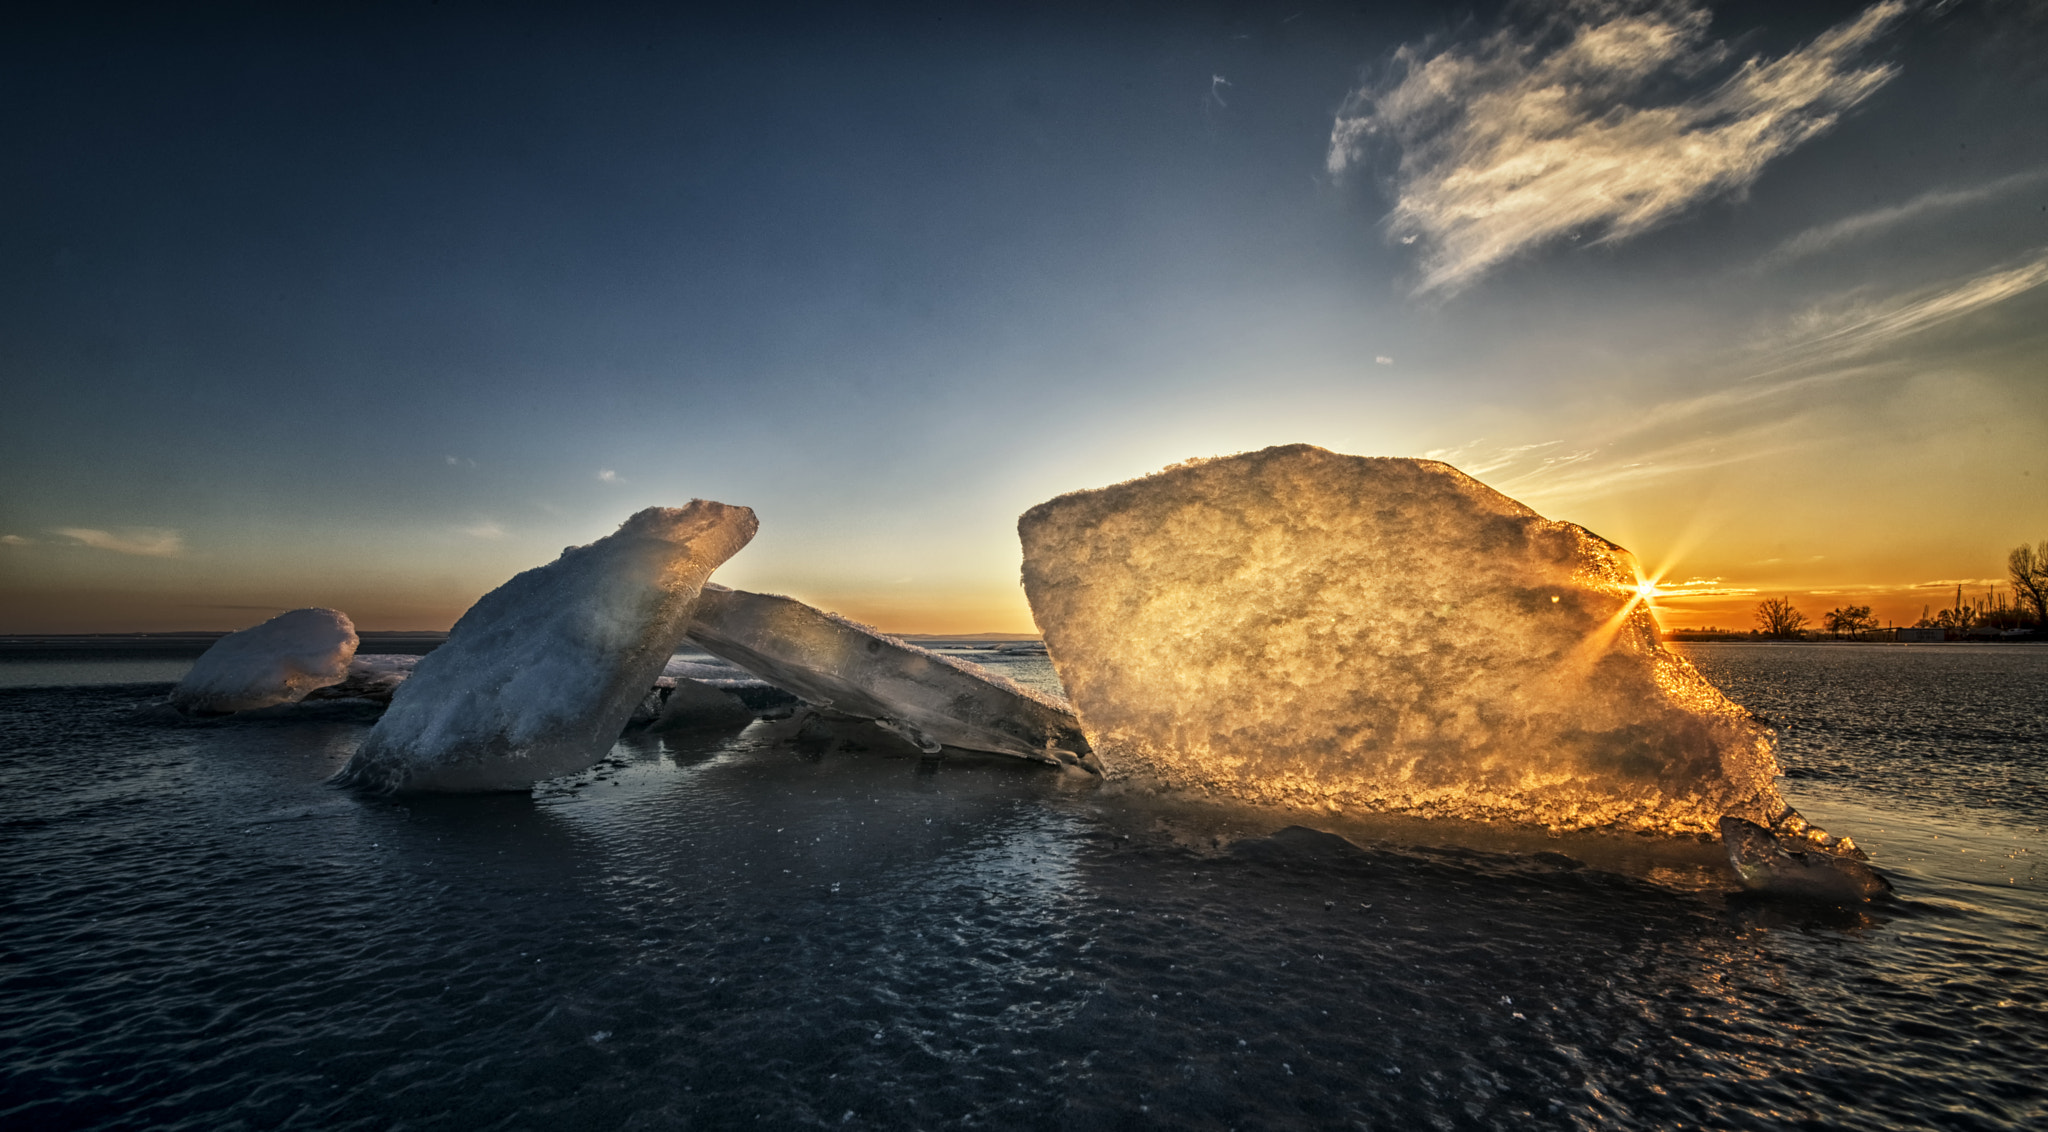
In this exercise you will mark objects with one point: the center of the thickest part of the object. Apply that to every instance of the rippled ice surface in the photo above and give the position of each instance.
(742, 930)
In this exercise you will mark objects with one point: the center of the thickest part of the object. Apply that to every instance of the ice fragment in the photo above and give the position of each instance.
(540, 675)
(1302, 627)
(928, 698)
(277, 662)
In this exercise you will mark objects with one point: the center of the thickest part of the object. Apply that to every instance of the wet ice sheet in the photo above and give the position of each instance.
(716, 931)
(722, 930)
(65, 672)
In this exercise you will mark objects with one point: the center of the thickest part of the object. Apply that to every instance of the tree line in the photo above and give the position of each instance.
(2026, 568)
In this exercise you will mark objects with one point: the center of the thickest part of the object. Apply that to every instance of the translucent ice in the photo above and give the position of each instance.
(375, 676)
(277, 662)
(930, 699)
(540, 675)
(1302, 627)
(1765, 864)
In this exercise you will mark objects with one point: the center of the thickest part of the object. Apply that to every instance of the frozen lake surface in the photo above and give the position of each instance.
(748, 929)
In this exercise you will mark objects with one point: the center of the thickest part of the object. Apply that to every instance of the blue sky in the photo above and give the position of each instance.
(373, 310)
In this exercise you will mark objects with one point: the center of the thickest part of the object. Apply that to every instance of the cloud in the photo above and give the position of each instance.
(149, 542)
(608, 475)
(1864, 225)
(14, 540)
(1859, 326)
(485, 529)
(1550, 129)
(1851, 337)
(1382, 360)
(1702, 587)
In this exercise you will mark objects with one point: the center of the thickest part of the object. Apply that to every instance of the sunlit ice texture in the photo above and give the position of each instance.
(538, 678)
(930, 699)
(1300, 627)
(277, 662)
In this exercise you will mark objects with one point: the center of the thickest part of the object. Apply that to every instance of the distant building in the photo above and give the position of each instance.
(1922, 635)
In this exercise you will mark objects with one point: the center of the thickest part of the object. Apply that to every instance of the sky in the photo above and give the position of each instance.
(373, 309)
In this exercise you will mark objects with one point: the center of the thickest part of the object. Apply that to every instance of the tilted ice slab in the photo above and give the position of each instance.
(929, 699)
(1301, 627)
(542, 673)
(277, 662)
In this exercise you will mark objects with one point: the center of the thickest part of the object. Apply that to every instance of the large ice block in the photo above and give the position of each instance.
(1307, 628)
(277, 662)
(538, 678)
(928, 698)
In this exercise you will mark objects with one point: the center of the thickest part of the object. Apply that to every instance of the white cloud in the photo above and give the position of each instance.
(1550, 129)
(1864, 225)
(1383, 360)
(14, 540)
(149, 542)
(485, 529)
(1858, 326)
(608, 475)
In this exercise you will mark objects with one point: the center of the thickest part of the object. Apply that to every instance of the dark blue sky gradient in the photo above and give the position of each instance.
(888, 278)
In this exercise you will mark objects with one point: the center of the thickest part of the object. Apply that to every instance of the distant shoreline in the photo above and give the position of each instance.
(189, 645)
(1683, 638)
(173, 646)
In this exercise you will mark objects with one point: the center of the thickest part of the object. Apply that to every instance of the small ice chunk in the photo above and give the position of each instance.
(1301, 627)
(1765, 864)
(929, 699)
(277, 662)
(542, 673)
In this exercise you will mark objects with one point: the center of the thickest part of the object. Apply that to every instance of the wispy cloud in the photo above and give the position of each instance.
(485, 529)
(607, 475)
(1855, 337)
(1550, 128)
(14, 540)
(1701, 587)
(1856, 326)
(1877, 221)
(149, 542)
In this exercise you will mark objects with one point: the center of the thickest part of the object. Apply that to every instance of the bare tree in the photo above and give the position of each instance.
(1854, 620)
(2028, 566)
(1777, 618)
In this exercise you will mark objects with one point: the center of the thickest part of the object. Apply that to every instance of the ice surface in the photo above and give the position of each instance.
(1306, 628)
(930, 699)
(277, 662)
(542, 673)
